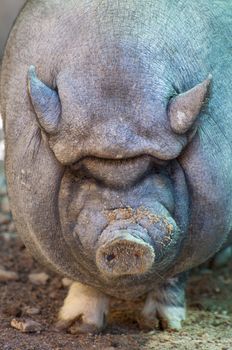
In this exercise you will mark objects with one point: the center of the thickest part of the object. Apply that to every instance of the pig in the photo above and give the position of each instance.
(117, 118)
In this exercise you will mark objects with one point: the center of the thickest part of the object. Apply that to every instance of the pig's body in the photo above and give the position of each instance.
(109, 177)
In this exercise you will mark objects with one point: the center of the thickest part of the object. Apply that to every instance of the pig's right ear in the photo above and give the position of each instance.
(46, 103)
(185, 108)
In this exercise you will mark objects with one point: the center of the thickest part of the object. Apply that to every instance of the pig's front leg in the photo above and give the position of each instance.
(85, 305)
(166, 305)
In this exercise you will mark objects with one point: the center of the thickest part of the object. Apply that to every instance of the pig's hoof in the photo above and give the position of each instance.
(171, 317)
(85, 310)
(165, 316)
(166, 306)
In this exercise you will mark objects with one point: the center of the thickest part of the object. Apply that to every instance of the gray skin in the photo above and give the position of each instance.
(109, 184)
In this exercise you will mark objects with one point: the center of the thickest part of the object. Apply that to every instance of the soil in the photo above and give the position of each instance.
(208, 325)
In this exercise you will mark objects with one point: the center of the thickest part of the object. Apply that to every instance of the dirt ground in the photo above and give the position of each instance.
(209, 323)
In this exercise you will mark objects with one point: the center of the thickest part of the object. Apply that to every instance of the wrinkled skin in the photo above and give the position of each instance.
(116, 66)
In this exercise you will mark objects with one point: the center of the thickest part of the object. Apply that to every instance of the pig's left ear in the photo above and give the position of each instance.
(184, 109)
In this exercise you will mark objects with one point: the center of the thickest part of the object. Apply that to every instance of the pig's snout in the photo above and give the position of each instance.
(125, 255)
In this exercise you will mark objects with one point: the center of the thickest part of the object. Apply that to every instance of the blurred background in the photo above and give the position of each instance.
(9, 10)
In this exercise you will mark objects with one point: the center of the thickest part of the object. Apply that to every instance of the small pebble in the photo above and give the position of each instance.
(26, 326)
(66, 282)
(31, 310)
(8, 275)
(38, 278)
(217, 290)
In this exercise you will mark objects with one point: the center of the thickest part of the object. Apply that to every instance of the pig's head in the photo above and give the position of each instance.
(123, 198)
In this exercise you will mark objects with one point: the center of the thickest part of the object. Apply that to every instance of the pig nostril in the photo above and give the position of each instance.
(110, 257)
(124, 255)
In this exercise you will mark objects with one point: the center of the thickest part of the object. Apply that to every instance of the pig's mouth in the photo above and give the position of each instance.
(117, 173)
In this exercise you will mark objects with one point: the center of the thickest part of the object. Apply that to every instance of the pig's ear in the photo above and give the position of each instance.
(184, 109)
(45, 101)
